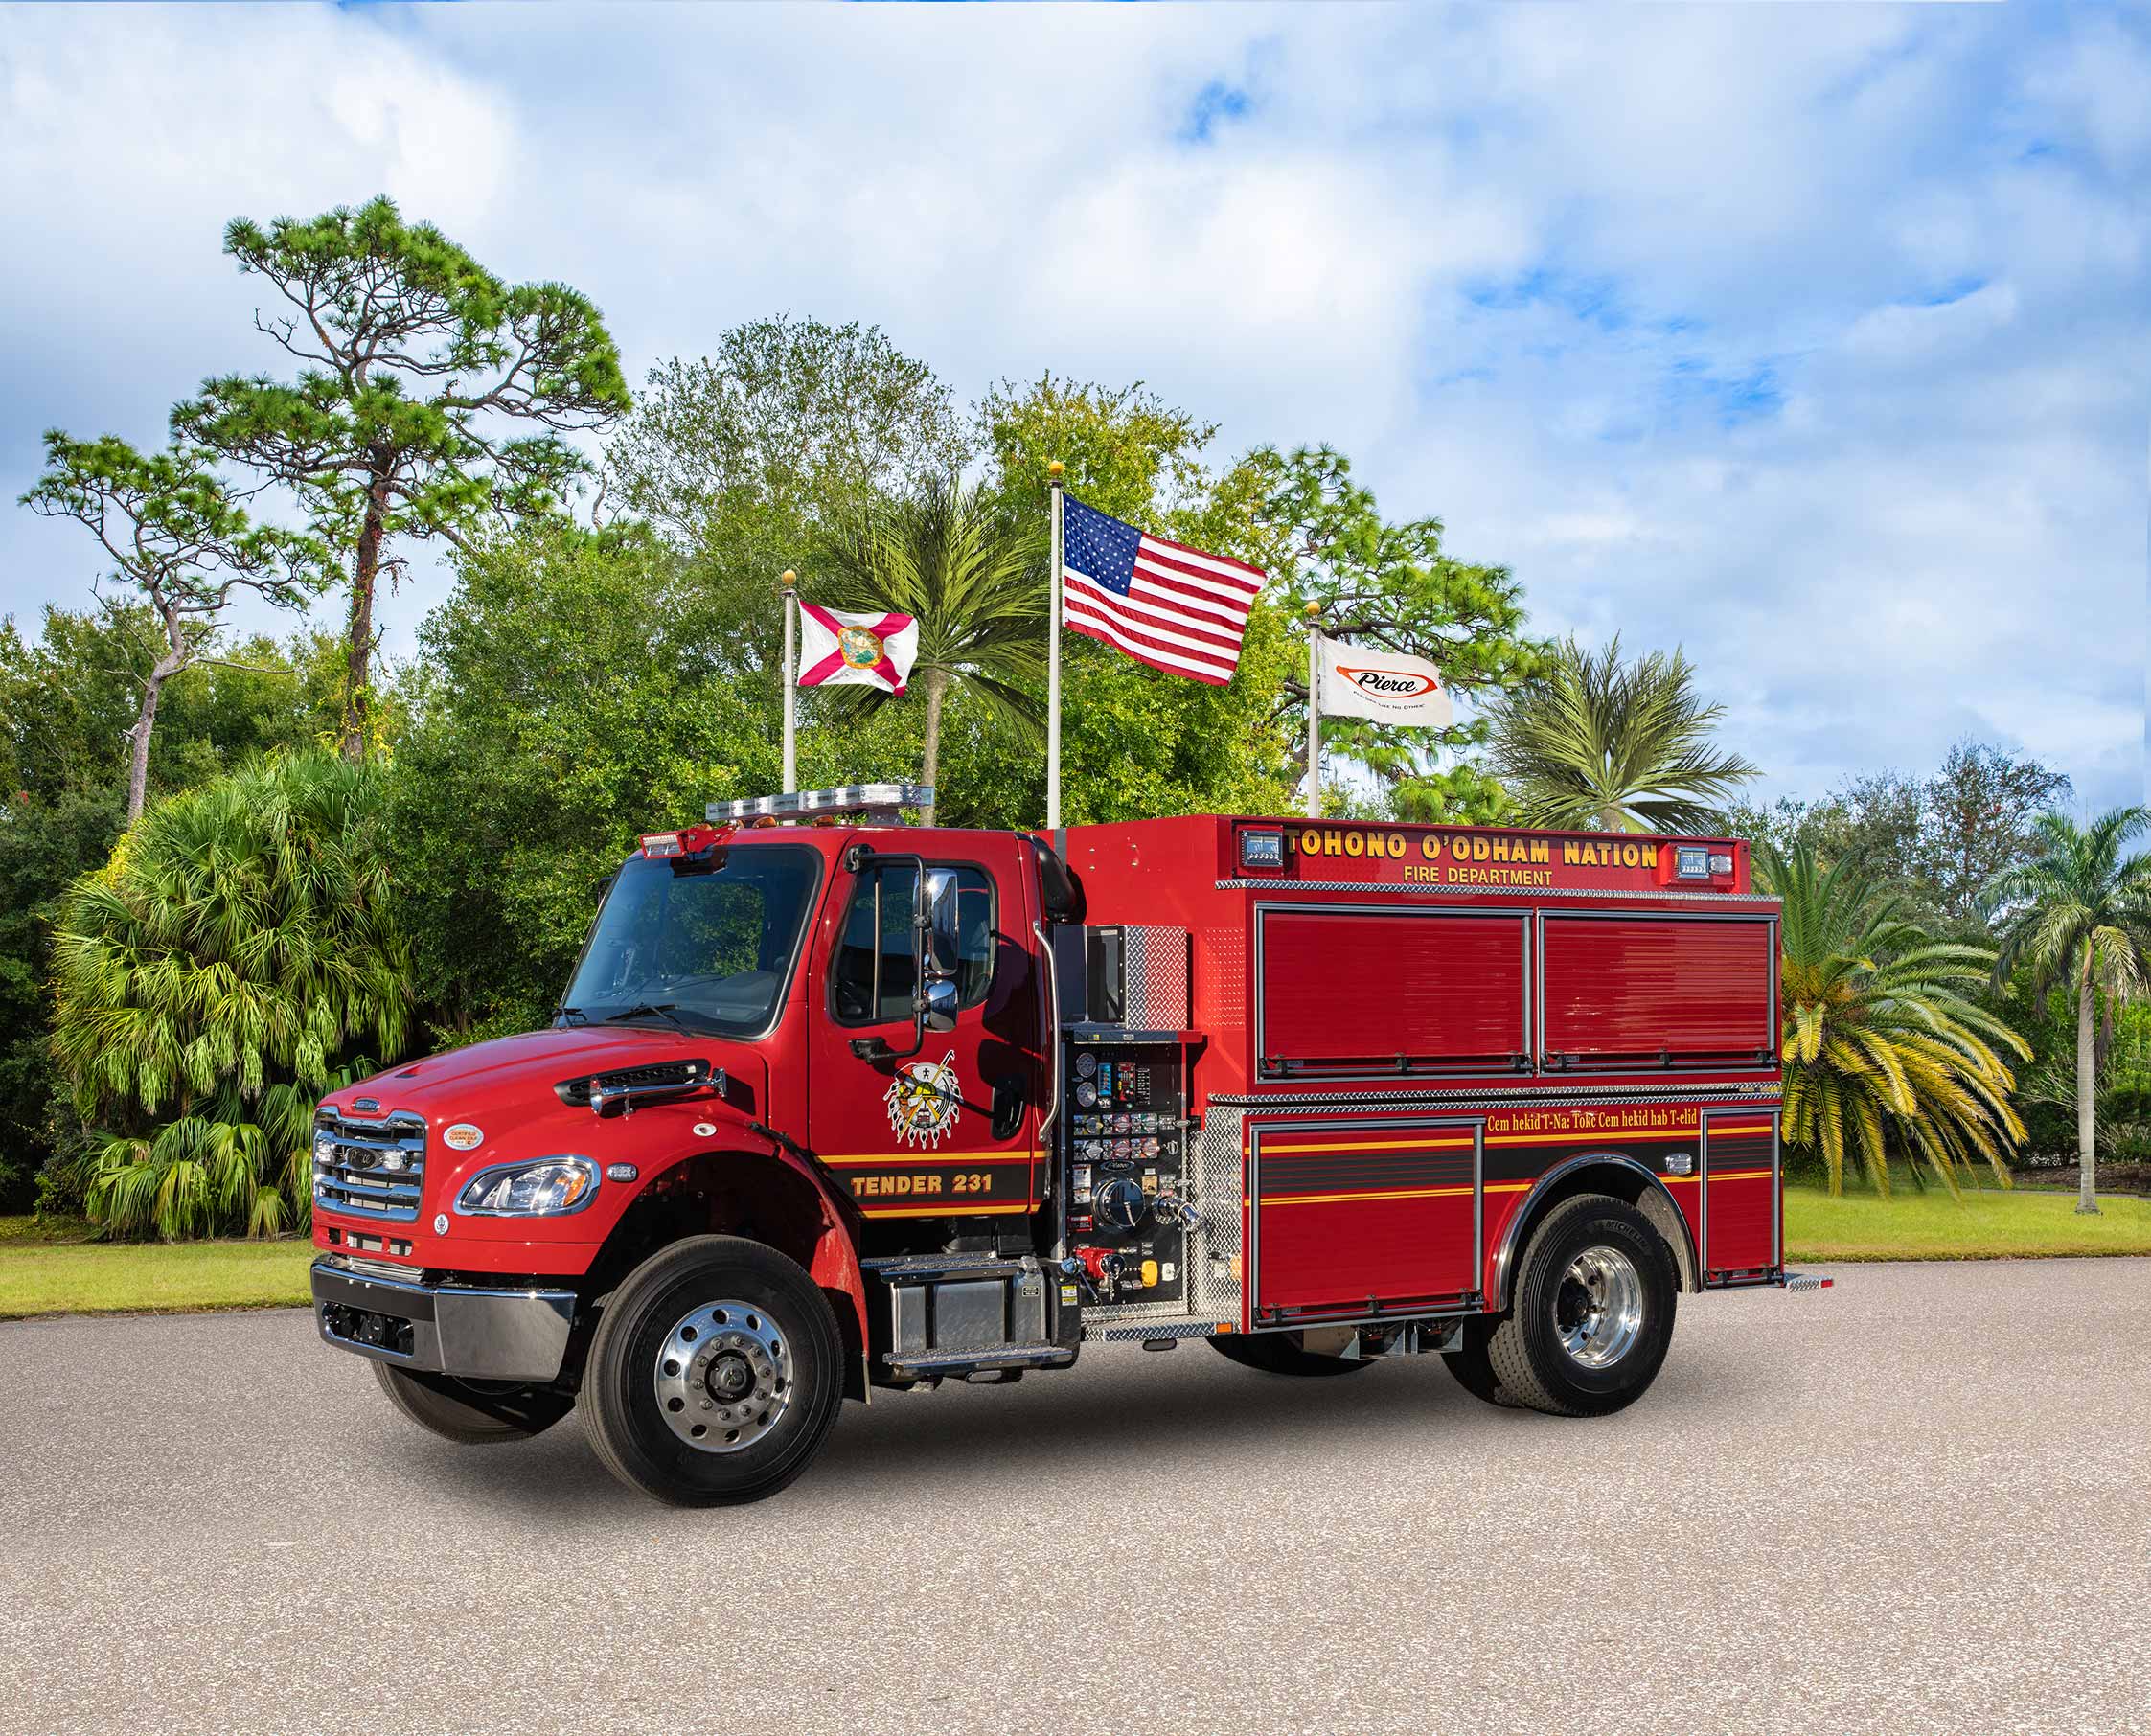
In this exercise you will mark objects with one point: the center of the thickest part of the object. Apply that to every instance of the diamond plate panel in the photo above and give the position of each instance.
(1155, 986)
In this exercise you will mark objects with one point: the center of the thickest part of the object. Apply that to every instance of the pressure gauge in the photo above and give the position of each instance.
(1087, 1065)
(1086, 1094)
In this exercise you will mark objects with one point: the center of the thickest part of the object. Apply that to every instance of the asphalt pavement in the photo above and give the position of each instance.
(1916, 1502)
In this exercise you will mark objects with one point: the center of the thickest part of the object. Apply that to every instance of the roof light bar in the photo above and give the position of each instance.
(688, 840)
(880, 801)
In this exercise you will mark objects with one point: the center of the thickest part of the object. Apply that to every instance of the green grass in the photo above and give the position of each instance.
(1986, 1223)
(51, 1270)
(48, 1269)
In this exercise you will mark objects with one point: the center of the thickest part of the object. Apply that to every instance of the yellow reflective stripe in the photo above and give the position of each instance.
(955, 1158)
(1606, 1136)
(1717, 1132)
(1375, 1144)
(952, 1210)
(1739, 1175)
(1410, 1193)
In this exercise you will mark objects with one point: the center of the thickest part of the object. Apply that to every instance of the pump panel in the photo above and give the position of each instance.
(1126, 1110)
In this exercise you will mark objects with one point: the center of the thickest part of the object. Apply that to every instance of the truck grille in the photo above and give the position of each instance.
(369, 1168)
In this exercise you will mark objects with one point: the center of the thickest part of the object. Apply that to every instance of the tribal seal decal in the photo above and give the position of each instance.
(925, 1100)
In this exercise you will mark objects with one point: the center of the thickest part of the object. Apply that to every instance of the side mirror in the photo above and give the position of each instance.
(941, 1006)
(939, 925)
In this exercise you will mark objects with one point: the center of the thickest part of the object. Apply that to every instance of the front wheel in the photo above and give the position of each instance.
(1591, 1317)
(715, 1375)
(471, 1415)
(1280, 1352)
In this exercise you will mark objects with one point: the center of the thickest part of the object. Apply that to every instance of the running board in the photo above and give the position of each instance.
(1792, 1281)
(908, 1363)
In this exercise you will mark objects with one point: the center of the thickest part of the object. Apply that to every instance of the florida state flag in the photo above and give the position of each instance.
(838, 647)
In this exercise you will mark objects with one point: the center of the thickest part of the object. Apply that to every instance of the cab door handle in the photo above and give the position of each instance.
(1008, 1107)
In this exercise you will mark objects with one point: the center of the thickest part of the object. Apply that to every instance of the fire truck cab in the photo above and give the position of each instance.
(833, 1106)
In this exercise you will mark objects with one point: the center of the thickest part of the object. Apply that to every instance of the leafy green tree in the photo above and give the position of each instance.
(753, 459)
(68, 700)
(1126, 452)
(1392, 586)
(180, 541)
(417, 366)
(568, 696)
(221, 971)
(1135, 742)
(1621, 748)
(977, 588)
(44, 844)
(1882, 1039)
(1936, 842)
(1979, 816)
(790, 428)
(2079, 916)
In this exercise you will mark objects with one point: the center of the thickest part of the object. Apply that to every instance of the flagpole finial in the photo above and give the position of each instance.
(1055, 468)
(1314, 609)
(789, 579)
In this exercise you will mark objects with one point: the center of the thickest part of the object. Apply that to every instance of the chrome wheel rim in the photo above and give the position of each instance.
(723, 1376)
(1598, 1310)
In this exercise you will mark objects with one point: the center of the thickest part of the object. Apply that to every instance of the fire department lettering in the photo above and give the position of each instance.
(924, 1099)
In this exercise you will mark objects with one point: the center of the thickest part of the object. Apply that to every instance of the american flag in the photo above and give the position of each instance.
(1171, 606)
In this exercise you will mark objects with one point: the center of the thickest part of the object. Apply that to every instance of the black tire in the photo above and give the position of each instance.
(479, 1415)
(1619, 1249)
(1474, 1368)
(1280, 1352)
(789, 1356)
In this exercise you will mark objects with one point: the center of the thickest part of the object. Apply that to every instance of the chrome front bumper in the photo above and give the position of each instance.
(481, 1335)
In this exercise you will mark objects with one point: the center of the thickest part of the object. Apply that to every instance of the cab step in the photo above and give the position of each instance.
(906, 1364)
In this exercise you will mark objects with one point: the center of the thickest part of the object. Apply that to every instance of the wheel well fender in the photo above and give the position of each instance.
(1612, 1172)
(767, 1196)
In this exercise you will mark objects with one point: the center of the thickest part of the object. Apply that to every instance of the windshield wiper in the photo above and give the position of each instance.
(663, 1011)
(574, 1014)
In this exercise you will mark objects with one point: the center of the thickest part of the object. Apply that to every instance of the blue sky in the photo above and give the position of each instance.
(1811, 340)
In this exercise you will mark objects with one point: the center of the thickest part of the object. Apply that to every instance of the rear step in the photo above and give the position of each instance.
(1792, 1281)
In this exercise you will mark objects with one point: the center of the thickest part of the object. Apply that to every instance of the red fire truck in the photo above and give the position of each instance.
(833, 1106)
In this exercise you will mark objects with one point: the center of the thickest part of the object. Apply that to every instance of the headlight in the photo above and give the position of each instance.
(546, 1187)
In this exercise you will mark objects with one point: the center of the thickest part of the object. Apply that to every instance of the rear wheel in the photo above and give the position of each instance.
(1474, 1369)
(1591, 1318)
(471, 1414)
(715, 1375)
(1280, 1352)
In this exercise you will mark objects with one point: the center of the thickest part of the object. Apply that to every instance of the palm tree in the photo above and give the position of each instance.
(2079, 915)
(214, 979)
(978, 592)
(1880, 1037)
(1595, 744)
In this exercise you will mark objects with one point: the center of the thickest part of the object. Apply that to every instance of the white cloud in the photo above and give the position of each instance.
(1813, 340)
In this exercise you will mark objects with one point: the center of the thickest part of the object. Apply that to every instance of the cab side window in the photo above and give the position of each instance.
(876, 967)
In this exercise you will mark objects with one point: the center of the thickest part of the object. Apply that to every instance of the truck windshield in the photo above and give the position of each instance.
(706, 947)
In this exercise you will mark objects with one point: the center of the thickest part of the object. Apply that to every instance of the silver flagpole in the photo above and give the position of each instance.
(1313, 713)
(790, 681)
(1053, 668)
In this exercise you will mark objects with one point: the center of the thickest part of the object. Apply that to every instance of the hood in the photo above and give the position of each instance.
(518, 1073)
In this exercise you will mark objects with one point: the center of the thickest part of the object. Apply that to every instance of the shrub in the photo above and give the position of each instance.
(225, 968)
